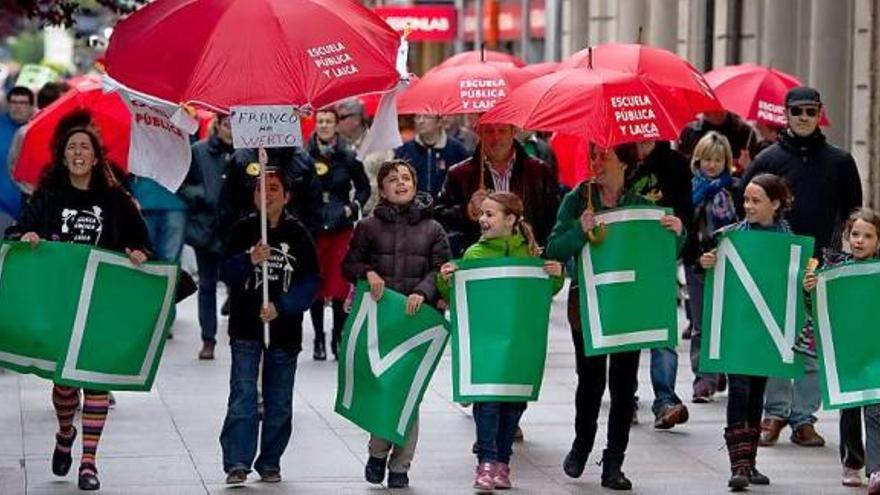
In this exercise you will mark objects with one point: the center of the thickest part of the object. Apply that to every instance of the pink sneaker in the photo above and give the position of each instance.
(874, 484)
(502, 476)
(485, 478)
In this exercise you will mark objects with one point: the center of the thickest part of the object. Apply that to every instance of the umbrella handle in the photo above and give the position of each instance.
(597, 234)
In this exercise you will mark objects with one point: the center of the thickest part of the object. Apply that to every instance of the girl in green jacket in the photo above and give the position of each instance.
(504, 234)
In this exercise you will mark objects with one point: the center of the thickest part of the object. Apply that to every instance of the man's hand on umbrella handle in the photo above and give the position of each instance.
(377, 285)
(31, 237)
(136, 256)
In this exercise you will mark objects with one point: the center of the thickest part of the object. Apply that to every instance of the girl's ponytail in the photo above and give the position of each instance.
(529, 235)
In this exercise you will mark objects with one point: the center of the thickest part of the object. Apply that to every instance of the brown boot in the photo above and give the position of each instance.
(770, 428)
(755, 476)
(806, 436)
(207, 352)
(738, 449)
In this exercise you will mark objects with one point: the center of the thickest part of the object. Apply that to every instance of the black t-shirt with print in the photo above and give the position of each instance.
(105, 218)
(292, 260)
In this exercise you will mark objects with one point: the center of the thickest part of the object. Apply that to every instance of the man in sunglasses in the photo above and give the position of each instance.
(826, 187)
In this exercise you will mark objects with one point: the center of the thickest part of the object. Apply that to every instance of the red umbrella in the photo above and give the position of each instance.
(222, 53)
(542, 69)
(477, 56)
(473, 88)
(604, 106)
(661, 66)
(754, 92)
(108, 113)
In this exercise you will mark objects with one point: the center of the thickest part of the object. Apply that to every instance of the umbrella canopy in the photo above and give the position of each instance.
(472, 88)
(542, 69)
(477, 56)
(603, 106)
(660, 66)
(222, 53)
(755, 92)
(108, 113)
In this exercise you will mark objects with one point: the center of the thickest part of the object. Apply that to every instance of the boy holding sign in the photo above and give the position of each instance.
(766, 199)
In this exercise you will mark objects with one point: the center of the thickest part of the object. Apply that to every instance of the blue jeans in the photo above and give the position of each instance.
(166, 228)
(208, 264)
(241, 428)
(795, 402)
(496, 425)
(696, 281)
(664, 368)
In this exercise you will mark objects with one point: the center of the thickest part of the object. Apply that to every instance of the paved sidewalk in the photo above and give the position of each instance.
(166, 441)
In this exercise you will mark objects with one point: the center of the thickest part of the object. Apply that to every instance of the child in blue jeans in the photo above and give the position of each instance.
(504, 234)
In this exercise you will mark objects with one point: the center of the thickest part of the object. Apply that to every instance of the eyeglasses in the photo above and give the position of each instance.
(347, 115)
(16, 101)
(810, 111)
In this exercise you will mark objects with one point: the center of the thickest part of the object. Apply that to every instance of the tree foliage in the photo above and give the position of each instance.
(62, 12)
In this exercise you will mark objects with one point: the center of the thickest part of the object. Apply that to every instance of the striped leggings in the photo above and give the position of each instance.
(94, 414)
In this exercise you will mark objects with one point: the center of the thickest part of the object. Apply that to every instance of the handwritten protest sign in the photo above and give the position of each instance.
(265, 126)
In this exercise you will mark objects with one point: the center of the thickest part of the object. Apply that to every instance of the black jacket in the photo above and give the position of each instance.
(823, 178)
(531, 179)
(107, 219)
(203, 192)
(293, 281)
(299, 168)
(432, 162)
(664, 178)
(401, 244)
(337, 172)
(740, 134)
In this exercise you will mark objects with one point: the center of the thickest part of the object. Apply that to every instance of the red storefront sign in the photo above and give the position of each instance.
(428, 23)
(509, 20)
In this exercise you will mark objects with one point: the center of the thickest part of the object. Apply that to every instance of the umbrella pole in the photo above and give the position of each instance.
(264, 238)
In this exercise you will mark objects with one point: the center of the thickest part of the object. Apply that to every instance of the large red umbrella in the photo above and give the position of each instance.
(477, 56)
(222, 53)
(754, 92)
(660, 66)
(542, 68)
(603, 106)
(108, 113)
(472, 88)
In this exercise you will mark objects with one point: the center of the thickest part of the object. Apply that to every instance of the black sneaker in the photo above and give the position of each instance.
(397, 480)
(88, 478)
(574, 463)
(374, 471)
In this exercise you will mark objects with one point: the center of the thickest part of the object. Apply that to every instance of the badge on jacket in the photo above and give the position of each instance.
(253, 169)
(321, 168)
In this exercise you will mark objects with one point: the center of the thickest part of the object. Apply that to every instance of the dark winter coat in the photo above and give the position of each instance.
(530, 179)
(299, 168)
(403, 245)
(432, 162)
(338, 171)
(823, 178)
(107, 219)
(739, 133)
(202, 191)
(293, 281)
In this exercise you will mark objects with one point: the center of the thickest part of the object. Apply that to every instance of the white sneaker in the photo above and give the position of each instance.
(852, 477)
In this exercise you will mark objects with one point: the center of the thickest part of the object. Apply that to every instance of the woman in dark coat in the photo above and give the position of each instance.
(338, 172)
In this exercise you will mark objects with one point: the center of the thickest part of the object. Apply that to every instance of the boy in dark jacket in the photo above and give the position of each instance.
(293, 283)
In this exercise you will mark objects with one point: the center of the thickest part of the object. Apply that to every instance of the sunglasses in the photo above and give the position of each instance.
(797, 111)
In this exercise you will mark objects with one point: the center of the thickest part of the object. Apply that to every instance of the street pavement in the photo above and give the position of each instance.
(166, 441)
